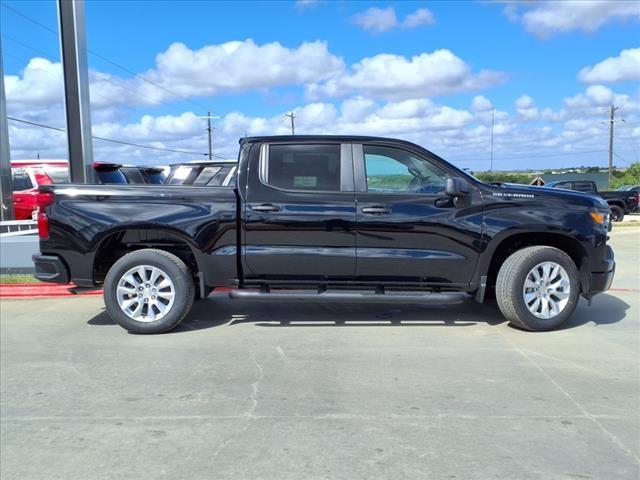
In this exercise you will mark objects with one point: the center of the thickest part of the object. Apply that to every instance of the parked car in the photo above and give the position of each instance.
(627, 188)
(328, 218)
(142, 174)
(28, 175)
(203, 173)
(620, 202)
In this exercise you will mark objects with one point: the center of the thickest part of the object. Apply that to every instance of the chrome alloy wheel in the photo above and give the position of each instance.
(546, 290)
(145, 293)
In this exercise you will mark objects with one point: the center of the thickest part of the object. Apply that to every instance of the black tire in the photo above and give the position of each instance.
(510, 285)
(175, 269)
(617, 214)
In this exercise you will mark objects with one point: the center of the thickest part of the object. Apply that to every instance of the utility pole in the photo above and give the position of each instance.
(292, 116)
(210, 130)
(611, 123)
(493, 114)
(210, 134)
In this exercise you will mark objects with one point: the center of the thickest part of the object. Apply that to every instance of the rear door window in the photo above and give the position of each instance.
(583, 187)
(303, 167)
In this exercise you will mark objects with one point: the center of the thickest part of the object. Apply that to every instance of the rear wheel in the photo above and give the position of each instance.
(148, 291)
(537, 288)
(617, 214)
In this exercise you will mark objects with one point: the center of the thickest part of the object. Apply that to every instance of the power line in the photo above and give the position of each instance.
(32, 20)
(621, 158)
(29, 47)
(110, 139)
(111, 62)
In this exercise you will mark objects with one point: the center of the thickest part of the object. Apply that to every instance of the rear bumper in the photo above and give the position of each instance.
(601, 281)
(50, 268)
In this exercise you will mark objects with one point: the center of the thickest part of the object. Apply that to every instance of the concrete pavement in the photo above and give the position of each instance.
(289, 391)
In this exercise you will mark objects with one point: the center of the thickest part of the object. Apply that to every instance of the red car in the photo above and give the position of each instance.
(28, 175)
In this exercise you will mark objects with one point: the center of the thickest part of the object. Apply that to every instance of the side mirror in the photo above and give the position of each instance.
(456, 187)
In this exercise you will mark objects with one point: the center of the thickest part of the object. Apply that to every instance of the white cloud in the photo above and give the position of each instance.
(409, 113)
(396, 77)
(230, 67)
(462, 136)
(550, 17)
(418, 18)
(378, 20)
(241, 66)
(526, 107)
(624, 67)
(480, 103)
(39, 85)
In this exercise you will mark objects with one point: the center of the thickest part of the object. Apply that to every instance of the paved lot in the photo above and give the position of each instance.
(394, 392)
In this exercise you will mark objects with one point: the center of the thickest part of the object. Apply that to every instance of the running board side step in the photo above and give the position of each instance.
(449, 298)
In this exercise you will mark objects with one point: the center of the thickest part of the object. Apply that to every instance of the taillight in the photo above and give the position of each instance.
(43, 226)
(42, 200)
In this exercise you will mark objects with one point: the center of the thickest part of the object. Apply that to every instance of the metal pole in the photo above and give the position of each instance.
(73, 46)
(493, 111)
(6, 183)
(611, 122)
(209, 130)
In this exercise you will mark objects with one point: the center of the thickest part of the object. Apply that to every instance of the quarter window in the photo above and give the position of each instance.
(394, 170)
(304, 167)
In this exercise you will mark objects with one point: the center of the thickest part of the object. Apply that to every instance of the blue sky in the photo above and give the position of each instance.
(532, 56)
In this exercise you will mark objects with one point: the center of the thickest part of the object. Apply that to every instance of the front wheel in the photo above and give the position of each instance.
(617, 214)
(148, 291)
(537, 288)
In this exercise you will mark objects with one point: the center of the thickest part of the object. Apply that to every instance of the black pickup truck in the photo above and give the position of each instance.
(328, 218)
(619, 202)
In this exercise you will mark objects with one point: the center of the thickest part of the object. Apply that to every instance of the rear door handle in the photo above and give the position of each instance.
(376, 210)
(265, 207)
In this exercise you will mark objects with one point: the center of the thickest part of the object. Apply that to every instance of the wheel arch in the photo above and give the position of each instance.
(501, 248)
(118, 243)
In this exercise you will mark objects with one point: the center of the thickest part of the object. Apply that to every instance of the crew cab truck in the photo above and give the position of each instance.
(620, 203)
(328, 218)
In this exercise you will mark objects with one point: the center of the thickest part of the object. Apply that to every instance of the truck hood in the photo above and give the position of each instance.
(529, 191)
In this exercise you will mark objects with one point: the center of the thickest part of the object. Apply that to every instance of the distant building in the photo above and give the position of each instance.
(601, 179)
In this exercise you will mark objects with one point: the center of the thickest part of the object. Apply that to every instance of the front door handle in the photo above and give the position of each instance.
(376, 210)
(265, 207)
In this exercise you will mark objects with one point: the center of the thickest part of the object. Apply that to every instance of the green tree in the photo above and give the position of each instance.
(489, 177)
(631, 176)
